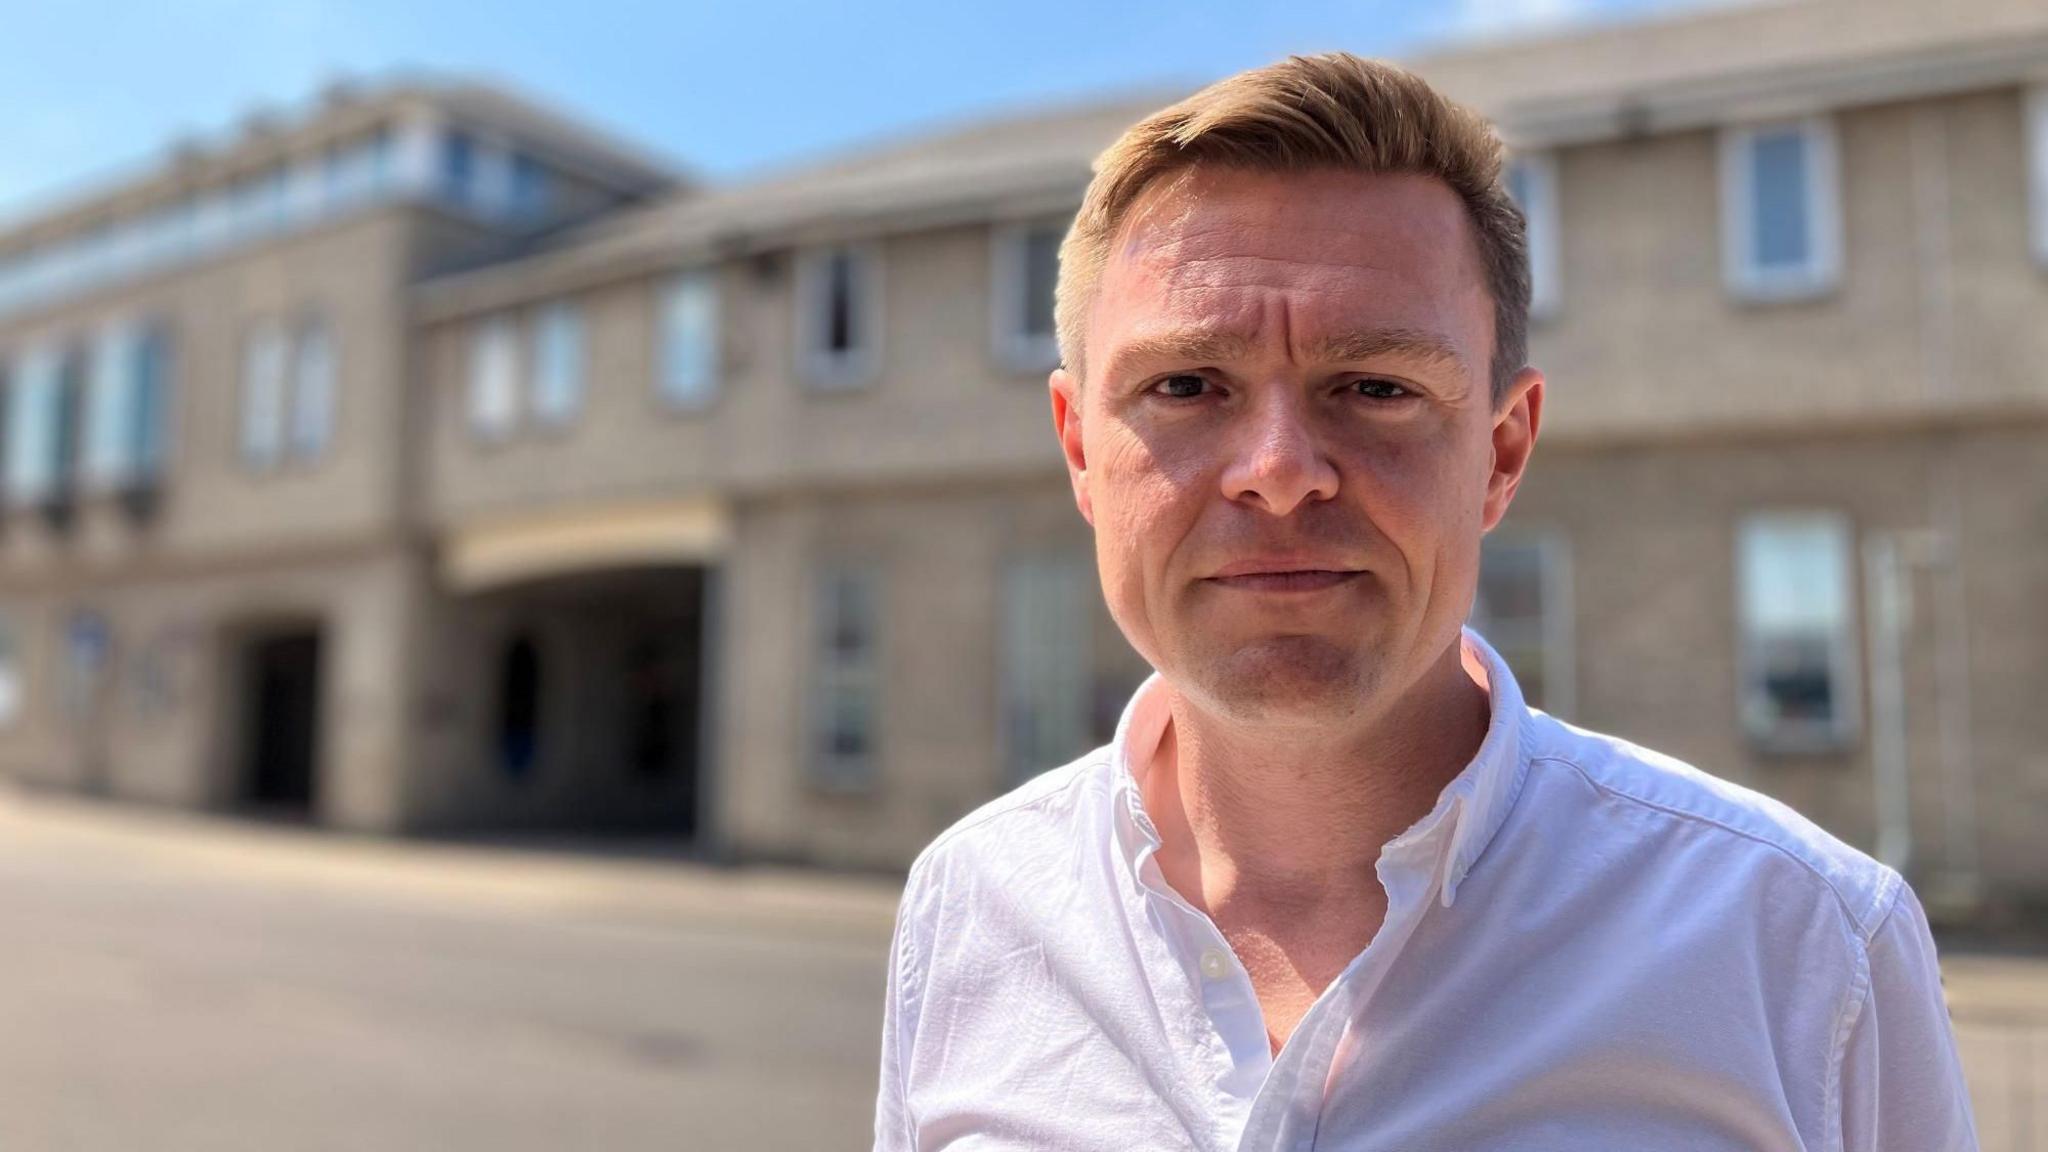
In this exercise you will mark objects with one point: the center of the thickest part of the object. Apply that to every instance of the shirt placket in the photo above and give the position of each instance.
(1287, 1111)
(1223, 991)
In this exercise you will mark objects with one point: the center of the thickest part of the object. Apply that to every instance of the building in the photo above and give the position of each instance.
(735, 512)
(212, 558)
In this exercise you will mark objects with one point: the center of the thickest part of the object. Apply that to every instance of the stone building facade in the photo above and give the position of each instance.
(734, 513)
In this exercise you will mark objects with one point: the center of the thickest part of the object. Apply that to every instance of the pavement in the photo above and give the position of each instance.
(176, 981)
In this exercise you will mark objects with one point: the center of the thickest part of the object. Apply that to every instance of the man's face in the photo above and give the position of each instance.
(1285, 440)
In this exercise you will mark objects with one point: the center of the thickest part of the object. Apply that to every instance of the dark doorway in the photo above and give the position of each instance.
(595, 724)
(281, 729)
(519, 707)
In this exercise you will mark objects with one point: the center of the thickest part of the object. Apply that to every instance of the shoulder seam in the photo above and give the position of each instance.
(966, 826)
(1855, 916)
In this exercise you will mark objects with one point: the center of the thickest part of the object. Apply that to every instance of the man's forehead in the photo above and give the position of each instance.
(1334, 260)
(1207, 211)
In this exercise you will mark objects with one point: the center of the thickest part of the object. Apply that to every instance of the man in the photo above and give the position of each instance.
(1333, 885)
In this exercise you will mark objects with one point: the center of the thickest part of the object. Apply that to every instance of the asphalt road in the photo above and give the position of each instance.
(174, 984)
(181, 984)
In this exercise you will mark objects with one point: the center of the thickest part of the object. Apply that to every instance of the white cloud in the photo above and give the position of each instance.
(1491, 17)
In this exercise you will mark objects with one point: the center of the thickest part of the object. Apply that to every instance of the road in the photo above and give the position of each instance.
(179, 983)
(174, 983)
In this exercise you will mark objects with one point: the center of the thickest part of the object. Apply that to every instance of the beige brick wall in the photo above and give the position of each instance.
(213, 503)
(1652, 531)
(942, 405)
(1939, 305)
(165, 724)
(941, 550)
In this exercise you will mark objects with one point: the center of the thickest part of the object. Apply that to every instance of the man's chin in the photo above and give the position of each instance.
(1284, 678)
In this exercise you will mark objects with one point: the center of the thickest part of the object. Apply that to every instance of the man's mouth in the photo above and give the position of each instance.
(1289, 580)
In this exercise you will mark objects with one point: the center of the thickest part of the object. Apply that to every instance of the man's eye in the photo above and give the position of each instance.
(1379, 389)
(1185, 386)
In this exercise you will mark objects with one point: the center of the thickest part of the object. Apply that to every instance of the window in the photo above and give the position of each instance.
(213, 222)
(1026, 263)
(2037, 138)
(152, 431)
(1532, 181)
(1046, 682)
(11, 686)
(33, 427)
(312, 393)
(558, 358)
(126, 406)
(263, 395)
(839, 315)
(519, 696)
(688, 360)
(530, 191)
(1524, 609)
(847, 671)
(1780, 210)
(458, 167)
(1798, 652)
(494, 378)
(64, 431)
(87, 646)
(111, 414)
(258, 204)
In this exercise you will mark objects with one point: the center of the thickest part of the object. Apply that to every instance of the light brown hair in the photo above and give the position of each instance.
(1307, 112)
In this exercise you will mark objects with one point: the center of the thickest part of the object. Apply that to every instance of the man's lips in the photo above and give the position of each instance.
(1288, 580)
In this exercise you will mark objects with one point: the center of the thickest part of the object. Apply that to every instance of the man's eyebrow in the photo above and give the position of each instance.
(1195, 344)
(1376, 343)
(1210, 346)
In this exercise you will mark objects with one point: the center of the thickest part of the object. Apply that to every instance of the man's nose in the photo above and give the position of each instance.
(1277, 461)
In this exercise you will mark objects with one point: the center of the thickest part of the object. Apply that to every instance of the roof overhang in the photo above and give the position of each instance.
(513, 549)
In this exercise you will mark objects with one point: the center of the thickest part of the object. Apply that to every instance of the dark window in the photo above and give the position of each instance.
(1041, 274)
(152, 403)
(529, 188)
(519, 707)
(458, 167)
(839, 302)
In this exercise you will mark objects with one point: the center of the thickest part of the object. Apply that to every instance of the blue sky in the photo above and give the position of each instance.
(89, 91)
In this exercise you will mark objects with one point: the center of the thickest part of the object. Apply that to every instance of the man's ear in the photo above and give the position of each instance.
(1515, 423)
(1065, 388)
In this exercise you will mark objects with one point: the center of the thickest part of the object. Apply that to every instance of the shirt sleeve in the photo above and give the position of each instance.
(1902, 1084)
(894, 1129)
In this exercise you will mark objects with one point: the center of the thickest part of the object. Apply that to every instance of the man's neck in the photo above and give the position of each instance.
(1268, 819)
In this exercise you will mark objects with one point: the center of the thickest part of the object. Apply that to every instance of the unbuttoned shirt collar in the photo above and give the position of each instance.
(1437, 850)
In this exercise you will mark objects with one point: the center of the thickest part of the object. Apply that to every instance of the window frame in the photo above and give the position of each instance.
(13, 670)
(827, 772)
(702, 278)
(1822, 272)
(1009, 281)
(109, 460)
(822, 370)
(245, 445)
(1546, 290)
(297, 446)
(1845, 657)
(561, 318)
(125, 434)
(2037, 169)
(155, 430)
(1558, 623)
(1073, 636)
(32, 457)
(493, 331)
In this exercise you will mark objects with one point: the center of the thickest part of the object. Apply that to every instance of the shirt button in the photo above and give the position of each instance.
(1215, 965)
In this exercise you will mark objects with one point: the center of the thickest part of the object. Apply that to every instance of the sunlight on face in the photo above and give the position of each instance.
(1285, 441)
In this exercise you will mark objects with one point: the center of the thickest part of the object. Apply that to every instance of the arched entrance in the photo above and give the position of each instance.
(592, 687)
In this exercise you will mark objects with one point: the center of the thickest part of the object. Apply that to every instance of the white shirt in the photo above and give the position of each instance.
(1587, 945)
